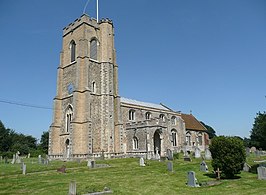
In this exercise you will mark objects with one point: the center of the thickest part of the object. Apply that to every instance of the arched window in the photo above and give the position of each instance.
(93, 87)
(148, 116)
(69, 117)
(174, 137)
(199, 139)
(93, 49)
(162, 117)
(131, 115)
(72, 51)
(188, 139)
(135, 143)
(173, 120)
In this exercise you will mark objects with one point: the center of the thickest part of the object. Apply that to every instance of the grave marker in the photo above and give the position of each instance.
(246, 167)
(24, 169)
(203, 166)
(169, 154)
(192, 181)
(218, 174)
(208, 154)
(141, 162)
(261, 173)
(170, 166)
(197, 152)
(72, 188)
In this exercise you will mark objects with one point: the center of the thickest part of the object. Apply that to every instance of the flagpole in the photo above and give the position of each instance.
(97, 7)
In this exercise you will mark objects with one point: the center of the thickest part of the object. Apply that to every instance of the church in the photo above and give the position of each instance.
(90, 118)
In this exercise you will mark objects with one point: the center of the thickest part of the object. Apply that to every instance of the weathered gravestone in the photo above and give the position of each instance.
(24, 169)
(72, 188)
(261, 173)
(257, 153)
(170, 166)
(247, 151)
(28, 155)
(62, 169)
(208, 154)
(203, 166)
(246, 167)
(253, 149)
(14, 159)
(169, 154)
(39, 159)
(197, 152)
(141, 162)
(91, 163)
(192, 181)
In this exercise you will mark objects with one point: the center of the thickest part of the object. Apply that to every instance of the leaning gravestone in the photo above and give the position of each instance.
(203, 166)
(197, 153)
(141, 162)
(72, 188)
(261, 173)
(169, 154)
(192, 181)
(246, 167)
(170, 166)
(208, 154)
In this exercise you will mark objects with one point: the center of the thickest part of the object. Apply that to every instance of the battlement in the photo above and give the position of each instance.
(87, 20)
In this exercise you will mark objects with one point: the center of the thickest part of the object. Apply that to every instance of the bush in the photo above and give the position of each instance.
(228, 154)
(176, 155)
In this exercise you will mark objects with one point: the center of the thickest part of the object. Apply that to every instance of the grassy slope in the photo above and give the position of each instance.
(125, 176)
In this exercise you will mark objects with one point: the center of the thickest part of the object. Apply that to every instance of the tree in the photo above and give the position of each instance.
(228, 154)
(211, 132)
(258, 132)
(44, 141)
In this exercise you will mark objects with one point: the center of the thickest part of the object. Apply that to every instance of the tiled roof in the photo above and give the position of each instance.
(145, 104)
(192, 123)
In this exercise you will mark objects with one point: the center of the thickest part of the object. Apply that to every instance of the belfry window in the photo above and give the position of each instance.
(131, 115)
(93, 49)
(72, 51)
(148, 116)
(69, 117)
(135, 143)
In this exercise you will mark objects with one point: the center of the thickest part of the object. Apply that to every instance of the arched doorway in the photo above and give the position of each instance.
(67, 148)
(157, 142)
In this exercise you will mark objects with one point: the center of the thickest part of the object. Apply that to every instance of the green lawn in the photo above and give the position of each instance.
(124, 176)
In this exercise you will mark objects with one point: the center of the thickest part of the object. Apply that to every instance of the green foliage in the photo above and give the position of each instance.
(228, 154)
(176, 155)
(211, 132)
(258, 132)
(44, 142)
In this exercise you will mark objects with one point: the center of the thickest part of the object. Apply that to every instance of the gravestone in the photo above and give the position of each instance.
(141, 162)
(192, 181)
(72, 188)
(261, 173)
(253, 149)
(39, 159)
(14, 159)
(169, 154)
(197, 152)
(29, 155)
(203, 166)
(208, 154)
(170, 166)
(24, 169)
(257, 153)
(246, 167)
(62, 169)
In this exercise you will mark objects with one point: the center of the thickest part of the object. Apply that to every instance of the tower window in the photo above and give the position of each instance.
(93, 49)
(162, 117)
(148, 116)
(72, 51)
(69, 117)
(93, 87)
(135, 143)
(131, 115)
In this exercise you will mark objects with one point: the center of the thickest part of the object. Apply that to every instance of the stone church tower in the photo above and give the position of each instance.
(87, 117)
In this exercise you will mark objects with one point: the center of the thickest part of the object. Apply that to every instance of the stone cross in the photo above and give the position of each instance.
(192, 181)
(218, 173)
(141, 162)
(72, 188)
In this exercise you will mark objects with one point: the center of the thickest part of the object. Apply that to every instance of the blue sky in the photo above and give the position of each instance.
(207, 56)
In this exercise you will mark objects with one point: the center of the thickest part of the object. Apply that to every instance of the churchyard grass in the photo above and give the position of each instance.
(124, 176)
